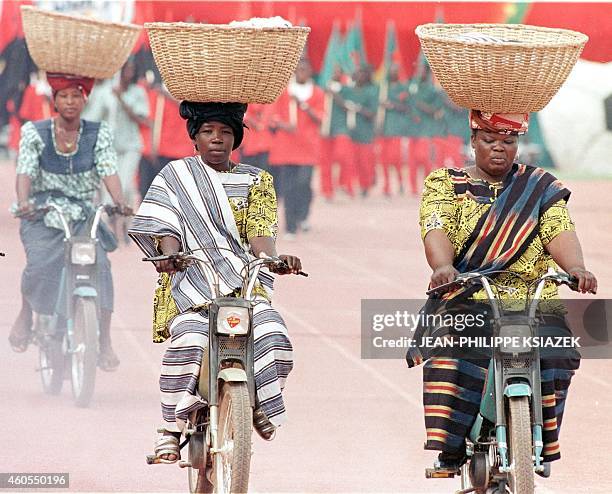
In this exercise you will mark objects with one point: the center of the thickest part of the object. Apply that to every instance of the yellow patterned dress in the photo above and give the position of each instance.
(252, 198)
(452, 387)
(458, 215)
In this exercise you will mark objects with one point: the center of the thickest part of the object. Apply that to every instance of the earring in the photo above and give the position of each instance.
(196, 147)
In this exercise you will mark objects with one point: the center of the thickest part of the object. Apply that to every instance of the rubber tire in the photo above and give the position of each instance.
(51, 356)
(86, 331)
(241, 422)
(520, 446)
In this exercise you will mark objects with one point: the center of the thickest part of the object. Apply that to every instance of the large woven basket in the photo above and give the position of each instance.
(211, 62)
(510, 68)
(75, 44)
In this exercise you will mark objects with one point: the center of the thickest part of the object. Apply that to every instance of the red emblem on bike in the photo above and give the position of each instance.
(233, 321)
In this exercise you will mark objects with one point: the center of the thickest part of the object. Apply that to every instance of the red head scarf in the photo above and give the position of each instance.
(59, 81)
(502, 123)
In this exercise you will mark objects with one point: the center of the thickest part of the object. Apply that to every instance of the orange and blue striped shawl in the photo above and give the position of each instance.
(505, 231)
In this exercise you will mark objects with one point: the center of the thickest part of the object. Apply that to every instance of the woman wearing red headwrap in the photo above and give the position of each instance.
(62, 161)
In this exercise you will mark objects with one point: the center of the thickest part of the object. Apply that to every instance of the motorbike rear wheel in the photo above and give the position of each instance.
(84, 358)
(520, 446)
(51, 360)
(235, 430)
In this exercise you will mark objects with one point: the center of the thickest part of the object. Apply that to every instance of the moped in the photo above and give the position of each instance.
(218, 437)
(505, 444)
(68, 340)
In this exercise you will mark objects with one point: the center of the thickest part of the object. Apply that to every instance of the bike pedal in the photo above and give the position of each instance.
(184, 464)
(438, 473)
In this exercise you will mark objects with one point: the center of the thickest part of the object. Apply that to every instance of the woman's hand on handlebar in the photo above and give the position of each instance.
(442, 275)
(587, 283)
(292, 265)
(169, 266)
(25, 209)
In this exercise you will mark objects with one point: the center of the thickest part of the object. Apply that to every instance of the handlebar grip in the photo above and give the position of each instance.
(572, 282)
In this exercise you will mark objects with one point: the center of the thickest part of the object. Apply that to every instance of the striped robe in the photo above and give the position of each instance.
(189, 201)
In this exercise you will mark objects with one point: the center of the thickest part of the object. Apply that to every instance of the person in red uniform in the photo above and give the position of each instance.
(336, 145)
(162, 142)
(295, 121)
(255, 148)
(35, 105)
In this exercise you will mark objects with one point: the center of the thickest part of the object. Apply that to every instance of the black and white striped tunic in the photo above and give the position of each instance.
(191, 202)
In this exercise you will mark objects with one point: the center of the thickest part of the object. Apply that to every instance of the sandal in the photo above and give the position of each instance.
(263, 426)
(167, 445)
(20, 337)
(107, 360)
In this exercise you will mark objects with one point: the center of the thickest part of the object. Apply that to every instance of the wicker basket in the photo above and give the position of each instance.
(520, 72)
(75, 44)
(210, 62)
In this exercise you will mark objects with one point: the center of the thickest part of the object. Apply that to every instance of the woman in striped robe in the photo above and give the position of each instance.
(495, 215)
(208, 201)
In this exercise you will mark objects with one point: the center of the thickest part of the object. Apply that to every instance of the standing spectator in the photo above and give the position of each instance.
(35, 105)
(336, 146)
(295, 120)
(394, 114)
(361, 103)
(421, 150)
(163, 141)
(126, 108)
(255, 148)
(457, 137)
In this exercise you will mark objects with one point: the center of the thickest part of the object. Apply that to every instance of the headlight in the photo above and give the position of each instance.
(83, 253)
(233, 321)
(515, 338)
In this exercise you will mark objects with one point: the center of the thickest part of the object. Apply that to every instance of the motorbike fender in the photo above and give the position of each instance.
(517, 389)
(232, 374)
(85, 291)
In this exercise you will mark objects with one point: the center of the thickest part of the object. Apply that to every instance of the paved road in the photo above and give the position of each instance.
(355, 425)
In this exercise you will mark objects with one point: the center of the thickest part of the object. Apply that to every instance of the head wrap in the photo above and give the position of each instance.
(231, 114)
(502, 123)
(59, 81)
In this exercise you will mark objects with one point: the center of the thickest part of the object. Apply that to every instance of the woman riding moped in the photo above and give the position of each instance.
(62, 161)
(494, 215)
(225, 211)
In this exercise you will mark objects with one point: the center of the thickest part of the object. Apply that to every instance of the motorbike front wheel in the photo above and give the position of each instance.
(519, 423)
(231, 467)
(51, 360)
(84, 347)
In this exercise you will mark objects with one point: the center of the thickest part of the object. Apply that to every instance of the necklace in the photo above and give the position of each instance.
(68, 143)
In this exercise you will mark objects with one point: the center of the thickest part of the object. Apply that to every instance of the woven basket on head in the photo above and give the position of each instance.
(508, 68)
(210, 62)
(75, 44)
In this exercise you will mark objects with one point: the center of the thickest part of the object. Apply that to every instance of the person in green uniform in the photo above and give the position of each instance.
(425, 101)
(456, 136)
(361, 103)
(394, 119)
(336, 143)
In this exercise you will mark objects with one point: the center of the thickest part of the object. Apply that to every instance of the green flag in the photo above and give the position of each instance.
(515, 13)
(354, 48)
(333, 56)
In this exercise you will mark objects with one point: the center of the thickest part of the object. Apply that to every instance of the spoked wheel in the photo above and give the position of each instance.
(84, 351)
(519, 424)
(231, 467)
(51, 360)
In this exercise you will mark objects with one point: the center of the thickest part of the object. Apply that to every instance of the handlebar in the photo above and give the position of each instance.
(102, 208)
(465, 279)
(188, 259)
(249, 272)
